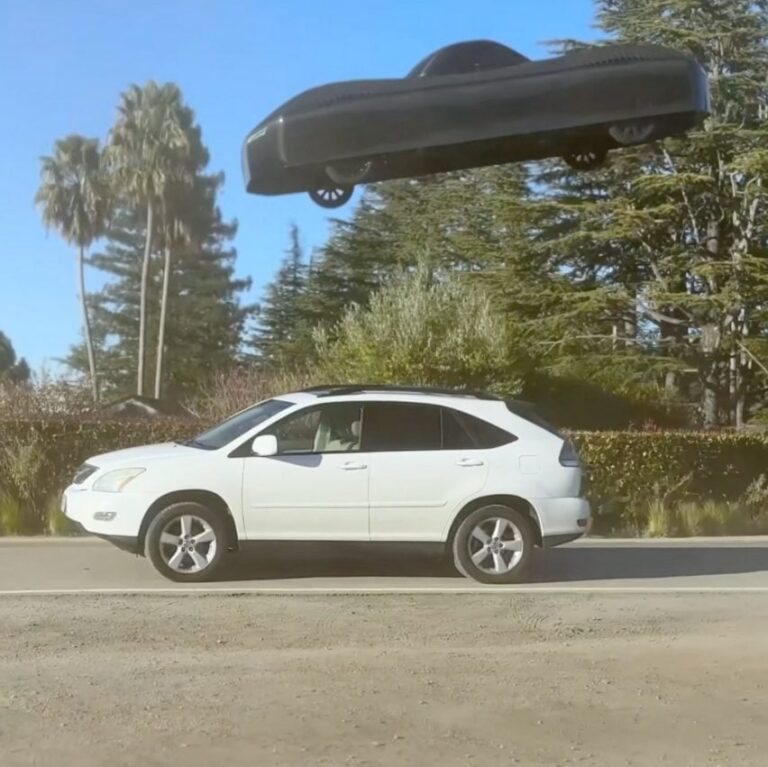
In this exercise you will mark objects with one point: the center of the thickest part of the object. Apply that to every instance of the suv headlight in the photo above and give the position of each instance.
(115, 481)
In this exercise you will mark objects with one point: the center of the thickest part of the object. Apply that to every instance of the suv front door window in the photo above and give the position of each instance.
(316, 487)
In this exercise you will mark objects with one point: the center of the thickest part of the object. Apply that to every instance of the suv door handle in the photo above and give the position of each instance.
(469, 462)
(353, 466)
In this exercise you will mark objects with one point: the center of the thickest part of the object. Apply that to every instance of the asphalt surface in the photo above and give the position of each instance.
(89, 565)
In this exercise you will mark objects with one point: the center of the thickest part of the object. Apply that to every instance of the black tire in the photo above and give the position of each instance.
(165, 522)
(586, 158)
(332, 195)
(520, 527)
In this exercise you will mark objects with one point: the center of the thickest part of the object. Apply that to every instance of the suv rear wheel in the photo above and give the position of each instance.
(493, 544)
(186, 542)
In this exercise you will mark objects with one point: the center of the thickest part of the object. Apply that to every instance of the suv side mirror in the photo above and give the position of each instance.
(264, 445)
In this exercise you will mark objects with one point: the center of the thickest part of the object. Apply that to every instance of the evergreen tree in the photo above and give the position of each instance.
(281, 335)
(672, 237)
(205, 319)
(11, 369)
(459, 222)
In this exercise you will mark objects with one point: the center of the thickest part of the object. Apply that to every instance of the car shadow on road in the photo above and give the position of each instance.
(600, 562)
(269, 561)
(646, 561)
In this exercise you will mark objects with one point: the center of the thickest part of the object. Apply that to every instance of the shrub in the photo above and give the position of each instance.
(634, 478)
(421, 329)
(38, 458)
(235, 389)
(672, 483)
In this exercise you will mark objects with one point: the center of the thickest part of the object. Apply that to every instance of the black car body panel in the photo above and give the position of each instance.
(428, 123)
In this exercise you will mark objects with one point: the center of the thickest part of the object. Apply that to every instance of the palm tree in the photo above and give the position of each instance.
(182, 217)
(147, 154)
(175, 234)
(74, 198)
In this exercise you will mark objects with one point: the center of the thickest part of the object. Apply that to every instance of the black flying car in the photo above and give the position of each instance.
(469, 105)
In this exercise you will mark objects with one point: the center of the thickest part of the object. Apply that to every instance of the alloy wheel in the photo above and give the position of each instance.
(496, 545)
(188, 544)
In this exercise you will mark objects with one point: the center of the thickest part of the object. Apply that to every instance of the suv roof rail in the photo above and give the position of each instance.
(342, 389)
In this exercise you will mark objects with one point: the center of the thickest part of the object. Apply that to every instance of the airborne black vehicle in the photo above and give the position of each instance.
(469, 105)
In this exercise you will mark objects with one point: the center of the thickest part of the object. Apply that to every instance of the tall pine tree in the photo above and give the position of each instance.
(206, 320)
(281, 337)
(672, 237)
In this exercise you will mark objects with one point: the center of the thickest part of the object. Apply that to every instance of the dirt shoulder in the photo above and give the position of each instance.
(384, 680)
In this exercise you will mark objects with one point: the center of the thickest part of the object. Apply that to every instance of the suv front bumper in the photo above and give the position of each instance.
(113, 515)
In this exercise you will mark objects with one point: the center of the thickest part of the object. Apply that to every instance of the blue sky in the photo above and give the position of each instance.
(63, 64)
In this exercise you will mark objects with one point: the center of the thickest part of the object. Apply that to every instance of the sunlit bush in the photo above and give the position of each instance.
(423, 330)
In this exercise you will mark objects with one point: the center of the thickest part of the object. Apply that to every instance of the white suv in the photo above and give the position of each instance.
(483, 476)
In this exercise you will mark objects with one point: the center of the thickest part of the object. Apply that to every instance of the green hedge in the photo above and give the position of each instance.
(626, 472)
(39, 457)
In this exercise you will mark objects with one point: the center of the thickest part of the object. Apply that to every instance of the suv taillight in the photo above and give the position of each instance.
(568, 454)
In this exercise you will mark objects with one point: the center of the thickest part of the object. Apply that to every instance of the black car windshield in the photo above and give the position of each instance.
(234, 427)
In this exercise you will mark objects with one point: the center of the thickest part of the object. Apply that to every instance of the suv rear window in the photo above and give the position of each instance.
(462, 431)
(399, 426)
(528, 411)
(394, 426)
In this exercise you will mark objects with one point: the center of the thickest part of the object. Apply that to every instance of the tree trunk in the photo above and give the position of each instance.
(161, 329)
(87, 323)
(711, 385)
(670, 383)
(143, 300)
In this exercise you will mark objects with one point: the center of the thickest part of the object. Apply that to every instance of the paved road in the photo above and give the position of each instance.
(91, 565)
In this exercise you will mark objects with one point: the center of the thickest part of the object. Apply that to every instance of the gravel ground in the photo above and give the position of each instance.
(384, 680)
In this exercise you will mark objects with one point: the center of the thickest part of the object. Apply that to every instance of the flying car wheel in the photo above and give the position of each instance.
(628, 134)
(332, 196)
(348, 171)
(586, 159)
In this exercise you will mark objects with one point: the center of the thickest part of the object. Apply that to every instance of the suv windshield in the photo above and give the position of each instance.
(234, 427)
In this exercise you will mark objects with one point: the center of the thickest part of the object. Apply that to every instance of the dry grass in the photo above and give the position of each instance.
(231, 391)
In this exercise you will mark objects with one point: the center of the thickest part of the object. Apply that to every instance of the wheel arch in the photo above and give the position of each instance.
(205, 497)
(513, 501)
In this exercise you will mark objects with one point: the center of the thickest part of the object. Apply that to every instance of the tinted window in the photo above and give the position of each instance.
(527, 411)
(331, 428)
(462, 431)
(234, 427)
(401, 426)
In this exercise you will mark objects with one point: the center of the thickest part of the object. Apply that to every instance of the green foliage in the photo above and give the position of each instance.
(38, 459)
(421, 329)
(665, 483)
(633, 478)
(282, 336)
(670, 238)
(12, 371)
(74, 194)
(707, 518)
(205, 320)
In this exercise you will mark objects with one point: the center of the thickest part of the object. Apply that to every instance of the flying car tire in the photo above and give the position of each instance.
(587, 158)
(332, 195)
(629, 134)
(349, 172)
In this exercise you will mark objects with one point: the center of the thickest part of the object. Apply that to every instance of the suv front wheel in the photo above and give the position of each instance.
(493, 544)
(186, 542)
